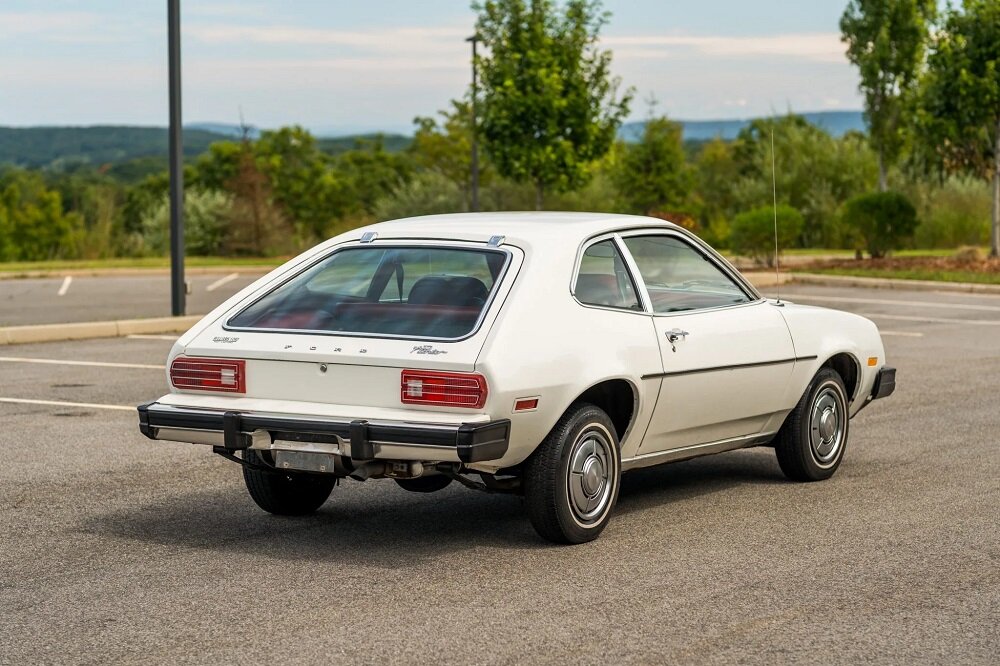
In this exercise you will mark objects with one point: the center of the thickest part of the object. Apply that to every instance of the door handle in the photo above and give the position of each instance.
(675, 334)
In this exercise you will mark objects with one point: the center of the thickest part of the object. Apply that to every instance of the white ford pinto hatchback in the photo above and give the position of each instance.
(540, 354)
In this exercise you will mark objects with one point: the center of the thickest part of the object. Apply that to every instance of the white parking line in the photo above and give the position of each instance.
(935, 320)
(59, 403)
(221, 281)
(95, 364)
(67, 281)
(142, 336)
(902, 334)
(886, 301)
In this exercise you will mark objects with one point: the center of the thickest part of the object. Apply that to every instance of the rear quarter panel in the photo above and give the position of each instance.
(545, 344)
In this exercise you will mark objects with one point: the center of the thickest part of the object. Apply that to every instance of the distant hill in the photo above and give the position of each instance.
(97, 145)
(134, 151)
(836, 123)
(114, 146)
(393, 143)
(225, 129)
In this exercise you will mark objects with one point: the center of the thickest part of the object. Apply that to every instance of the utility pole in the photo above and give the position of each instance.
(177, 286)
(475, 139)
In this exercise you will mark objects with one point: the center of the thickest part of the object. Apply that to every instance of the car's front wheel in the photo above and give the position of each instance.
(571, 481)
(812, 441)
(285, 493)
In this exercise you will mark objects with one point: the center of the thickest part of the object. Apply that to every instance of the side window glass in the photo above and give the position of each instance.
(604, 280)
(679, 278)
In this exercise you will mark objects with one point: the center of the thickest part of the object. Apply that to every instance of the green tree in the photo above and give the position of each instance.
(815, 173)
(959, 108)
(255, 226)
(753, 231)
(33, 224)
(652, 174)
(302, 181)
(98, 199)
(446, 148)
(886, 40)
(550, 104)
(369, 173)
(883, 221)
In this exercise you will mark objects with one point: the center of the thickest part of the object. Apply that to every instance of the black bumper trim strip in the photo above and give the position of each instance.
(885, 383)
(473, 442)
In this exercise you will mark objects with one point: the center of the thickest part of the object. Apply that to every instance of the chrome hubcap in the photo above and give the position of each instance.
(826, 428)
(590, 485)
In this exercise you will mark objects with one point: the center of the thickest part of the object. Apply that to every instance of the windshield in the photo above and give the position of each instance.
(418, 292)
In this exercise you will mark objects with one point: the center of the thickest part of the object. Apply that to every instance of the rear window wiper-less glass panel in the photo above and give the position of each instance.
(410, 292)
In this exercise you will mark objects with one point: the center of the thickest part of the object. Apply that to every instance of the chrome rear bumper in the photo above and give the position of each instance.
(357, 439)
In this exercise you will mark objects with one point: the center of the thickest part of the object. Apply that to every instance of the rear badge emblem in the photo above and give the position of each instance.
(427, 349)
(224, 338)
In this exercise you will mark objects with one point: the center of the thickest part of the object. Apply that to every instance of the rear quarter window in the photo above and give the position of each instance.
(413, 292)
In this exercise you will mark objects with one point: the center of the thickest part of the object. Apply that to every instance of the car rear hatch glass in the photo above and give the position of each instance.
(410, 292)
(342, 330)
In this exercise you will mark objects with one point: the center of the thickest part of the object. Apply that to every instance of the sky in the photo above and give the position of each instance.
(342, 66)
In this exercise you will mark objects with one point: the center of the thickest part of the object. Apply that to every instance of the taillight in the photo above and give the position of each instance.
(209, 374)
(447, 389)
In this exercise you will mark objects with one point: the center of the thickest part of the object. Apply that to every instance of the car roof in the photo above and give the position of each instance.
(528, 227)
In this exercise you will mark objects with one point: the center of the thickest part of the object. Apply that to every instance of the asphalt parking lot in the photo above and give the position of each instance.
(62, 299)
(118, 549)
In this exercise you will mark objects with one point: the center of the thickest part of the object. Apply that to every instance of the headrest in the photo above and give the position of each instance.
(456, 290)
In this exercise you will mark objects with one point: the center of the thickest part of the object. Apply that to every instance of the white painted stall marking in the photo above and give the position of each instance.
(888, 301)
(143, 336)
(94, 364)
(935, 320)
(67, 281)
(222, 281)
(902, 334)
(60, 403)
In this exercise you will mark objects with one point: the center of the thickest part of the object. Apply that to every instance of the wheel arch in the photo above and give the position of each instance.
(849, 368)
(618, 397)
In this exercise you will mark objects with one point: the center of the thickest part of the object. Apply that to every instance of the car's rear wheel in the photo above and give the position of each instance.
(812, 441)
(571, 481)
(425, 484)
(285, 493)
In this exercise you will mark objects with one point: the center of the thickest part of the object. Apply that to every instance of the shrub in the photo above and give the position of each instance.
(954, 213)
(206, 215)
(429, 193)
(752, 232)
(881, 221)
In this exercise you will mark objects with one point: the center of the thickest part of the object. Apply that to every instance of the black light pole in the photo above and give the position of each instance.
(475, 143)
(177, 286)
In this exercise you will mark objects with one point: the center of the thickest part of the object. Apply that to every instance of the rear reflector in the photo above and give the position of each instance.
(209, 374)
(525, 404)
(446, 389)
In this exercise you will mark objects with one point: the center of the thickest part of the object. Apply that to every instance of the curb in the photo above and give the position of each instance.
(887, 283)
(13, 335)
(761, 279)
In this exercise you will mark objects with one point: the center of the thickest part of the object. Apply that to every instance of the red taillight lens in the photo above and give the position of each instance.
(447, 389)
(209, 374)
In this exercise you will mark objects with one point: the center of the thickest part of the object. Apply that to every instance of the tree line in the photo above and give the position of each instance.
(548, 117)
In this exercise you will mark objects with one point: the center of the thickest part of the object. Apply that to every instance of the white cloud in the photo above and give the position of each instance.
(69, 27)
(819, 47)
(444, 39)
(35, 23)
